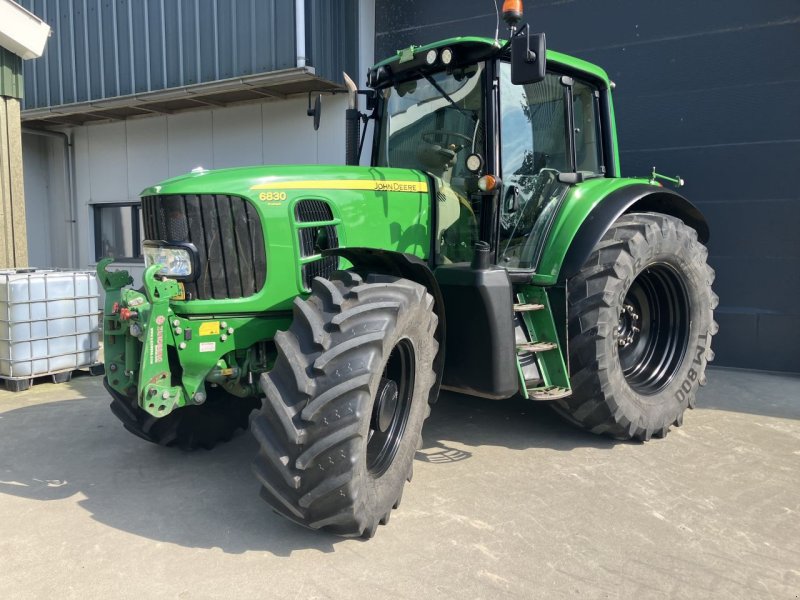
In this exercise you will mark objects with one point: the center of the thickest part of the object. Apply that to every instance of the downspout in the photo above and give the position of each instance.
(69, 174)
(300, 32)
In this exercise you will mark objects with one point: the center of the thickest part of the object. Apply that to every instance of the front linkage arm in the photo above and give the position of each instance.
(133, 318)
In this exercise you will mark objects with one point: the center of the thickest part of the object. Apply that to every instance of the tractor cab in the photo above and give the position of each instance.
(501, 155)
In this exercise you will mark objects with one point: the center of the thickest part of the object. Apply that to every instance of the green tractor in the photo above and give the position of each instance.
(492, 248)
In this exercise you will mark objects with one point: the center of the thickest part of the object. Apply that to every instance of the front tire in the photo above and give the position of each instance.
(640, 327)
(345, 403)
(189, 427)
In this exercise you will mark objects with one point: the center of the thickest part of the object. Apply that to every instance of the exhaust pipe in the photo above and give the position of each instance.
(352, 122)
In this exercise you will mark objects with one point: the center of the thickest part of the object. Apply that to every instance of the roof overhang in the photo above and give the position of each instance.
(22, 32)
(272, 85)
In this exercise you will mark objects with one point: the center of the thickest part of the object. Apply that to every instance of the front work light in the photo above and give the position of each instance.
(447, 56)
(177, 261)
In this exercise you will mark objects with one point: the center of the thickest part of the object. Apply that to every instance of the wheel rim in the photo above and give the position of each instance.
(653, 329)
(391, 408)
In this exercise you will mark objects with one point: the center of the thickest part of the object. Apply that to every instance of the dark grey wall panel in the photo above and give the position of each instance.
(332, 38)
(708, 90)
(107, 48)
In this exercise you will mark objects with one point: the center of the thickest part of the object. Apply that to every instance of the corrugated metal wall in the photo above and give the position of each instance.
(332, 38)
(107, 48)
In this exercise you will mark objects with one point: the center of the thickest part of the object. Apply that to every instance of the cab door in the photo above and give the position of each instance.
(547, 129)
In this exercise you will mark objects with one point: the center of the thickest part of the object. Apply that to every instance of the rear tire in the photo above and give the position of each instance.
(345, 403)
(641, 319)
(190, 427)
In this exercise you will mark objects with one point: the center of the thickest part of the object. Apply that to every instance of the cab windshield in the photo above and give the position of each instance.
(433, 123)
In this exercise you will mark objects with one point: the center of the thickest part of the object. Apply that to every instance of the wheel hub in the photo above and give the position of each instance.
(386, 401)
(629, 326)
(653, 328)
(391, 408)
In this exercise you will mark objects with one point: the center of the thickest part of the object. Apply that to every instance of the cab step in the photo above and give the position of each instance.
(537, 347)
(551, 393)
(528, 307)
(532, 307)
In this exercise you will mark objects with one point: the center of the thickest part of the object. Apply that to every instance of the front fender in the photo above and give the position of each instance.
(591, 210)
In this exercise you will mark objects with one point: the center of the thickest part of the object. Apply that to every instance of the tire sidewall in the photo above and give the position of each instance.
(653, 412)
(383, 491)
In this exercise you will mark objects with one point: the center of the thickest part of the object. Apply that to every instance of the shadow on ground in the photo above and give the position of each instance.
(75, 450)
(516, 424)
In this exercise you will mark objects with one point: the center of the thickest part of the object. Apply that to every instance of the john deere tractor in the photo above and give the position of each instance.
(492, 248)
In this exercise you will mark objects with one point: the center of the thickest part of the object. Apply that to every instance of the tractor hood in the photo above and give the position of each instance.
(255, 182)
(259, 233)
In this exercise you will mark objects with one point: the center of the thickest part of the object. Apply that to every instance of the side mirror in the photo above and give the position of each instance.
(315, 112)
(528, 58)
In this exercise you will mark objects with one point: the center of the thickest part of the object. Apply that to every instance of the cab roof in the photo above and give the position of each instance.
(484, 46)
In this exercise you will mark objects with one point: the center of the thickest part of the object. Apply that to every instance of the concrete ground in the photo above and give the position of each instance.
(507, 501)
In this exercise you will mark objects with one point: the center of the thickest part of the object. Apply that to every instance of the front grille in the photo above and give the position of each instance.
(323, 267)
(313, 240)
(226, 230)
(312, 211)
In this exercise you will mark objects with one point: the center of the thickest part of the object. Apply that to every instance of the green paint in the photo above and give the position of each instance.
(405, 55)
(405, 219)
(140, 364)
(555, 59)
(579, 203)
(542, 328)
(10, 74)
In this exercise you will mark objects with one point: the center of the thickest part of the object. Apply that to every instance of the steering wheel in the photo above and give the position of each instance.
(429, 137)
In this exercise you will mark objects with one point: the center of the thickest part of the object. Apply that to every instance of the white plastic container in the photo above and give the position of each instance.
(49, 322)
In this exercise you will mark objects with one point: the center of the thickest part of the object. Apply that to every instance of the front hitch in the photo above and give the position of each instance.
(157, 395)
(137, 333)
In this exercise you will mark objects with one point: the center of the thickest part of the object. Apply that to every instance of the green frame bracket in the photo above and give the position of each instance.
(157, 395)
(542, 329)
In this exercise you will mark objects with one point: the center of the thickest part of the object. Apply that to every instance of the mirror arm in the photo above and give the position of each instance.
(370, 94)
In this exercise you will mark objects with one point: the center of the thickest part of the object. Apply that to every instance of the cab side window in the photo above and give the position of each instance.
(588, 141)
(533, 127)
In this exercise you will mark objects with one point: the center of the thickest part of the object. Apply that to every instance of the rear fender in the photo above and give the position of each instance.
(565, 255)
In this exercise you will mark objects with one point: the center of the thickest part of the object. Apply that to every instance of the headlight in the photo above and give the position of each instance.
(177, 261)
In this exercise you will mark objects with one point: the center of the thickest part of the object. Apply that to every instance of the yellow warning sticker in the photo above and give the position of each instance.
(182, 294)
(418, 187)
(209, 328)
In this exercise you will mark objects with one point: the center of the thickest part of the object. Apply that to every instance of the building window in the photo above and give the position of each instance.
(118, 231)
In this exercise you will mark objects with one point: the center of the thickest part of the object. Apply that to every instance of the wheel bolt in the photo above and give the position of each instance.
(182, 345)
(165, 395)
